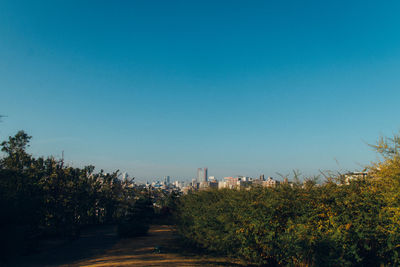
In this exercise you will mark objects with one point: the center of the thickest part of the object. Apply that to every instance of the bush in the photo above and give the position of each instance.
(132, 228)
(327, 225)
(137, 220)
(42, 197)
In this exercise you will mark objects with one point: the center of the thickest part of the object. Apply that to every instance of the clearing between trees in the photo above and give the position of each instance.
(102, 247)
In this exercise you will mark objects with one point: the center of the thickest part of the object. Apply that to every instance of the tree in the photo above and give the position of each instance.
(389, 150)
(42, 197)
(15, 148)
(137, 218)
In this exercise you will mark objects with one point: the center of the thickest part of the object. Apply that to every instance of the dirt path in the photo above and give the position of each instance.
(58, 252)
(140, 252)
(101, 247)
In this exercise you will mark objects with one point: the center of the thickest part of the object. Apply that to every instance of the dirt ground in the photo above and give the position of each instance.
(102, 247)
(141, 252)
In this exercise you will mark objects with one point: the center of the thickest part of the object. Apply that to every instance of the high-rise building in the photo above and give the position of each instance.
(199, 171)
(166, 180)
(202, 174)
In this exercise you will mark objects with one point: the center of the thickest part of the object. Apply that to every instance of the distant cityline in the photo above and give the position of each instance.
(203, 181)
(201, 176)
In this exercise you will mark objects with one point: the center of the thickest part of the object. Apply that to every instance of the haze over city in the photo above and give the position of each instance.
(164, 88)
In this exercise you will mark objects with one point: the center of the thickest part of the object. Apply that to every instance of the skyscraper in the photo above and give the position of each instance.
(199, 170)
(202, 174)
(166, 180)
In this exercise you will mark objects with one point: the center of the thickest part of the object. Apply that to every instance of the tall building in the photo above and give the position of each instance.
(202, 174)
(166, 180)
(199, 171)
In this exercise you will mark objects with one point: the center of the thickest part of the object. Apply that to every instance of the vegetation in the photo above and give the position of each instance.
(334, 224)
(137, 219)
(338, 223)
(42, 197)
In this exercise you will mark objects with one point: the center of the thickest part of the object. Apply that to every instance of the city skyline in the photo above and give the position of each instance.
(156, 89)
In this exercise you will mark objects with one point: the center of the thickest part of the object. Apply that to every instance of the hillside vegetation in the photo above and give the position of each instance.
(333, 224)
(293, 224)
(42, 198)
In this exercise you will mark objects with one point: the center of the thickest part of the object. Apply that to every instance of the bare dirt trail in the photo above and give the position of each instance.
(140, 251)
(101, 247)
(58, 252)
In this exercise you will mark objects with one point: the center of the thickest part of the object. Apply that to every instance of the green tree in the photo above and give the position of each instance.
(41, 197)
(15, 148)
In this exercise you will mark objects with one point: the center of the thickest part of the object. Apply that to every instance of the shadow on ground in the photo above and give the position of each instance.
(93, 241)
(158, 248)
(101, 246)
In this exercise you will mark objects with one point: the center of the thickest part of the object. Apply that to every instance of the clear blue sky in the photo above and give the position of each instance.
(163, 87)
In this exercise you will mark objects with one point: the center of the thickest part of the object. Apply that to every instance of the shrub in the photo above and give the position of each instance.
(137, 220)
(327, 225)
(132, 228)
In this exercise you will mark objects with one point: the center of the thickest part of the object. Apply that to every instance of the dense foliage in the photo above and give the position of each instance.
(43, 197)
(137, 219)
(333, 224)
(298, 224)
